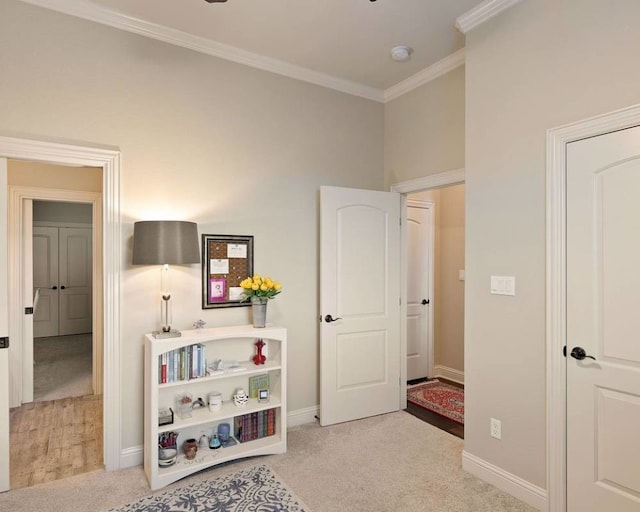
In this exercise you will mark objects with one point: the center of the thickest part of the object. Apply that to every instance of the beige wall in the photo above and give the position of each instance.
(35, 174)
(539, 65)
(449, 334)
(235, 149)
(448, 256)
(424, 130)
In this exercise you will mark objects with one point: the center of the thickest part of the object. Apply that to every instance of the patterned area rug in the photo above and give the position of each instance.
(257, 489)
(439, 397)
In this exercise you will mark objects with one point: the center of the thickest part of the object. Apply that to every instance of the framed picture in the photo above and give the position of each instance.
(226, 261)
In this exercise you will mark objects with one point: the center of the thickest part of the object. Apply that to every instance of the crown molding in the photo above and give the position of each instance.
(95, 13)
(441, 67)
(481, 13)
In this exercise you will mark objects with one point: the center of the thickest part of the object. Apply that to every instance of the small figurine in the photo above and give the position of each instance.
(259, 358)
(214, 442)
(199, 324)
(204, 442)
(240, 398)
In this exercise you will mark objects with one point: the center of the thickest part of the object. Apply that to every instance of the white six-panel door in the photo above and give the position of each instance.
(603, 301)
(360, 291)
(62, 272)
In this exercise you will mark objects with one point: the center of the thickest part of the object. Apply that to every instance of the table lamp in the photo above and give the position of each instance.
(165, 242)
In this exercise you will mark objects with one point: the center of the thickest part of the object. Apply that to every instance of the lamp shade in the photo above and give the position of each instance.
(159, 242)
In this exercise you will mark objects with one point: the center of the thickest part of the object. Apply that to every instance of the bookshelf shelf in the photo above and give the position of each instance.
(227, 344)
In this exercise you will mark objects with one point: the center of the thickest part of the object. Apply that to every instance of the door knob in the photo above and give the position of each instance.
(425, 302)
(580, 354)
(54, 287)
(62, 287)
(329, 319)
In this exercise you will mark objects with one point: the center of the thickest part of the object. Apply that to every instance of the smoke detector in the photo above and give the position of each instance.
(401, 53)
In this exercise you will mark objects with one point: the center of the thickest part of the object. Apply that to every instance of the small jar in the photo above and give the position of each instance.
(190, 448)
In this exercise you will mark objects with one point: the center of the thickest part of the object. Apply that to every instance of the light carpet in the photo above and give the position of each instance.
(62, 367)
(255, 489)
(389, 463)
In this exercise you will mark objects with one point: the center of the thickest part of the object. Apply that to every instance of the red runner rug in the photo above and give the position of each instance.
(439, 397)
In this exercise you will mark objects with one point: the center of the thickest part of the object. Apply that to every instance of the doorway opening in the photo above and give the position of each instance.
(438, 317)
(57, 394)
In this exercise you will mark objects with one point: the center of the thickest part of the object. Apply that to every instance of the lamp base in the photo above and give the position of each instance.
(166, 334)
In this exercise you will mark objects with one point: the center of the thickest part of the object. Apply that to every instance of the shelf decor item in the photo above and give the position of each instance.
(259, 290)
(259, 358)
(184, 405)
(190, 448)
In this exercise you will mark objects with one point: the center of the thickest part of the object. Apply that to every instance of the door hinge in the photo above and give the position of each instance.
(28, 311)
(4, 342)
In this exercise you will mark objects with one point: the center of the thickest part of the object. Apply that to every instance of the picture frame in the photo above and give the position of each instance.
(263, 395)
(226, 261)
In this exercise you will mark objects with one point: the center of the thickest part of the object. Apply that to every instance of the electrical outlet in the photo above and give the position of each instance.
(496, 428)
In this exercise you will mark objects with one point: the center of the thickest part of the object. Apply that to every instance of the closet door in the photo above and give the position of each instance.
(45, 281)
(75, 280)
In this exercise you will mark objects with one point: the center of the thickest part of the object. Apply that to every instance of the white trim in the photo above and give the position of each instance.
(448, 373)
(557, 139)
(131, 457)
(104, 16)
(303, 416)
(109, 160)
(508, 482)
(449, 63)
(481, 13)
(442, 179)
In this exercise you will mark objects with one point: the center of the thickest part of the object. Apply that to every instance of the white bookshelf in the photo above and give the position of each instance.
(234, 343)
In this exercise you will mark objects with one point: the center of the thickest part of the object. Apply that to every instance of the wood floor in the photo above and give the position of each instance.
(55, 439)
(433, 418)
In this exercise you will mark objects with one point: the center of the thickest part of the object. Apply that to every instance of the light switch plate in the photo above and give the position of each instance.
(461, 275)
(503, 285)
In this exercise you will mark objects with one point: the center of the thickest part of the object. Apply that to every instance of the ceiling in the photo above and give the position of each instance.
(342, 40)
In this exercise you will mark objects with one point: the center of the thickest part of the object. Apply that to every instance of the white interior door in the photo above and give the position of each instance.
(75, 274)
(419, 285)
(603, 294)
(4, 332)
(45, 281)
(360, 304)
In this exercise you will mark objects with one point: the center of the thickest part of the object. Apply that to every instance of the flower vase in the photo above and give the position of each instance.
(259, 311)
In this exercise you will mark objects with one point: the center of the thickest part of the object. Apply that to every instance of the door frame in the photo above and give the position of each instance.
(109, 161)
(430, 205)
(20, 257)
(439, 180)
(557, 140)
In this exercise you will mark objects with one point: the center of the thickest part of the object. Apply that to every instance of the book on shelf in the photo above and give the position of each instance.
(255, 425)
(256, 383)
(185, 363)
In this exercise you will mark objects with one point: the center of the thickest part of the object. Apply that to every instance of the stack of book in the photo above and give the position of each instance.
(182, 364)
(255, 425)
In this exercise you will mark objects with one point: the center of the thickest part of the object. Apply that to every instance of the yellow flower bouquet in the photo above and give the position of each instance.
(259, 286)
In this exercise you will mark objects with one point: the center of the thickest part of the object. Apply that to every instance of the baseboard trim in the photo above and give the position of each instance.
(505, 481)
(130, 457)
(448, 373)
(302, 416)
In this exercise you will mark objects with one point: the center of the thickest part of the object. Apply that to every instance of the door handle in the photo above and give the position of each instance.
(425, 302)
(63, 287)
(54, 287)
(579, 353)
(329, 319)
